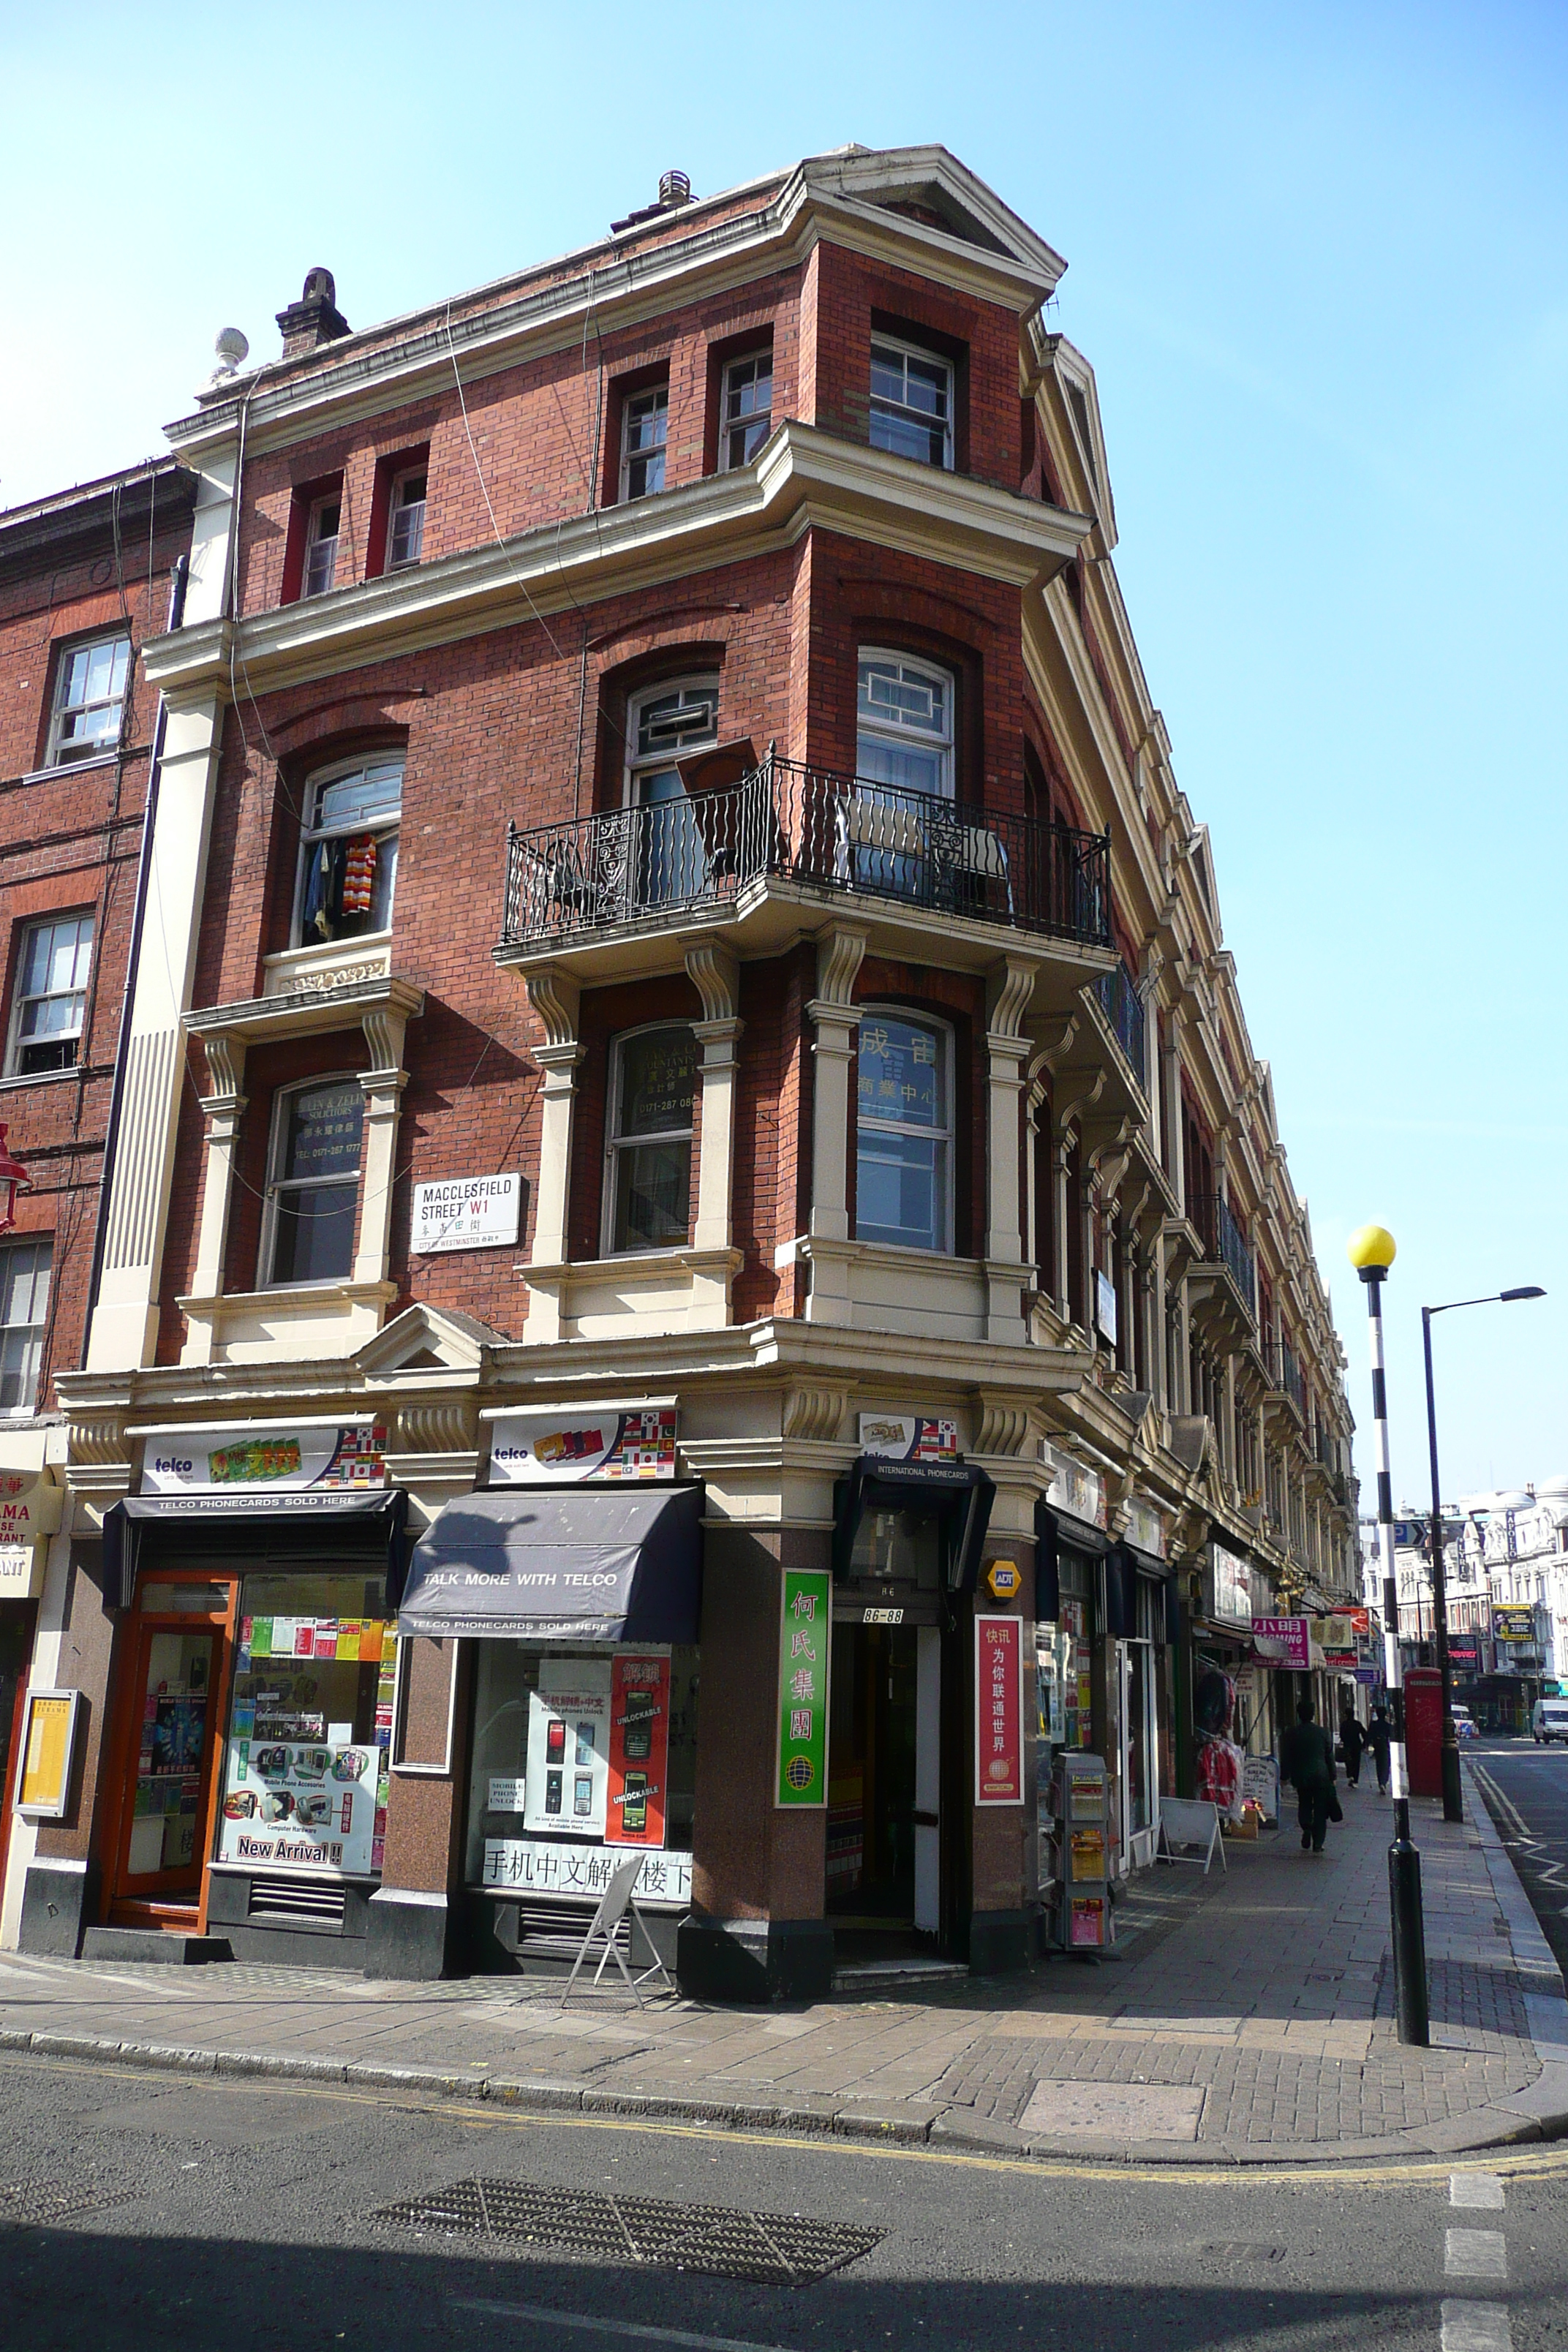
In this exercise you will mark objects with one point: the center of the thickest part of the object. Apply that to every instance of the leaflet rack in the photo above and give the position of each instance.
(1081, 1913)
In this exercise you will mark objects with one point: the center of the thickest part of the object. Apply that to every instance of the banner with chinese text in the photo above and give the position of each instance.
(805, 1640)
(998, 1711)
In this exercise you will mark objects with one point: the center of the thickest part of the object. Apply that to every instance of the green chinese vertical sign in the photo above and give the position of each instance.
(805, 1638)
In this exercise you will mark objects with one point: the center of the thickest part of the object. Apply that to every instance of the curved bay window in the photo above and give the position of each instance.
(349, 850)
(647, 1175)
(903, 1163)
(667, 724)
(313, 1192)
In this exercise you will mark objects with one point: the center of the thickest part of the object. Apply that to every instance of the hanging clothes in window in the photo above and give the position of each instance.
(339, 889)
(359, 876)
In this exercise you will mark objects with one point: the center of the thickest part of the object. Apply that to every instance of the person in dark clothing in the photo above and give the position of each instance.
(1380, 1739)
(1307, 1761)
(1352, 1739)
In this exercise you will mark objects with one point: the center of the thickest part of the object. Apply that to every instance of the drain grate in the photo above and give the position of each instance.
(768, 2249)
(1242, 2249)
(42, 2201)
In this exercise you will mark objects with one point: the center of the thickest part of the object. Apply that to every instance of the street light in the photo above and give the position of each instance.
(1370, 1252)
(1453, 1798)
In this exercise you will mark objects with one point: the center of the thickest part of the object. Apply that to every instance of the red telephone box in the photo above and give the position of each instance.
(1424, 1730)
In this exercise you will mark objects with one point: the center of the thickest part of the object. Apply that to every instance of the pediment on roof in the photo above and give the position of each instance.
(933, 189)
(428, 1339)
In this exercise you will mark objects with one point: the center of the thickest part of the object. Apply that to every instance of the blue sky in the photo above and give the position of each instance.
(1319, 257)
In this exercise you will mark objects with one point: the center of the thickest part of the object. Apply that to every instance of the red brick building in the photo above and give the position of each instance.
(689, 984)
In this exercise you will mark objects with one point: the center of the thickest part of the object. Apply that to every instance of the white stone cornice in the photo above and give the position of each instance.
(801, 479)
(380, 1007)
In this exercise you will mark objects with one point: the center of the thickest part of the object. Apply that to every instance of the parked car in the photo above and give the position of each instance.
(1464, 1724)
(1549, 1721)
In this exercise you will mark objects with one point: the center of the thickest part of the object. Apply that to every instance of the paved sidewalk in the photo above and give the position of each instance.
(1248, 2018)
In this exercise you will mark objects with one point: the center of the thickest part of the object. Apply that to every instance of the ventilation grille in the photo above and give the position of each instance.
(770, 2249)
(295, 1898)
(555, 1931)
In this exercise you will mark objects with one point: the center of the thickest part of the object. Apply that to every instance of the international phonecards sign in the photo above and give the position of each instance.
(908, 1437)
(458, 1213)
(586, 1441)
(243, 1465)
(998, 1711)
(805, 1638)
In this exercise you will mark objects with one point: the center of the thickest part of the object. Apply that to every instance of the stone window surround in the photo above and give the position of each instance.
(382, 1007)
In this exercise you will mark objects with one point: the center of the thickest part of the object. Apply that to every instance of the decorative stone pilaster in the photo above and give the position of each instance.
(556, 998)
(1009, 988)
(836, 1017)
(715, 973)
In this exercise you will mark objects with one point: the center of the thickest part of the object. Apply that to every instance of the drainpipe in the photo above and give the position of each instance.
(178, 583)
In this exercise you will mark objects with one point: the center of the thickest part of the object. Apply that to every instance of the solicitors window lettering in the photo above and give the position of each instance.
(314, 1191)
(648, 1177)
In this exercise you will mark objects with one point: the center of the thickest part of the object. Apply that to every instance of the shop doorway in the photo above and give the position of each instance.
(177, 1658)
(17, 1622)
(884, 1779)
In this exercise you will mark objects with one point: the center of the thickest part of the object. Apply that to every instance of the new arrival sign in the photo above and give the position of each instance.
(805, 1638)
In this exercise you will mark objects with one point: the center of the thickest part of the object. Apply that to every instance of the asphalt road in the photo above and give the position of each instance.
(1530, 1809)
(151, 2210)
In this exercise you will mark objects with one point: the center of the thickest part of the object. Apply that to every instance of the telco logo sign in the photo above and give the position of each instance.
(171, 1465)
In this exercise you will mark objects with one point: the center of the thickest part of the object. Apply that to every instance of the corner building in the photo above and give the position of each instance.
(726, 1284)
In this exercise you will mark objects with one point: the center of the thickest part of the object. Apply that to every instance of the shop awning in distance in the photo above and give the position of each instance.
(561, 1563)
(248, 1525)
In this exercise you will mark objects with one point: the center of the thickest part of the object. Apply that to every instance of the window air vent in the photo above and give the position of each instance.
(291, 1898)
(555, 1930)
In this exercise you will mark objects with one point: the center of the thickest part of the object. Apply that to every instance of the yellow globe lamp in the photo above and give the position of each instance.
(1371, 1250)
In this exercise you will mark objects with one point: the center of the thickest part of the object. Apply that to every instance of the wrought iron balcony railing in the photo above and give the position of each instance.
(646, 866)
(1222, 1237)
(1123, 1008)
(1290, 1377)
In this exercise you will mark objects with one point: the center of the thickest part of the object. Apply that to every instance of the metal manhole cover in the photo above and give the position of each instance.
(39, 2202)
(768, 2249)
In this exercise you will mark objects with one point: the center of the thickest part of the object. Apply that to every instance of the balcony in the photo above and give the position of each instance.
(1291, 1379)
(1223, 1241)
(1123, 1008)
(786, 836)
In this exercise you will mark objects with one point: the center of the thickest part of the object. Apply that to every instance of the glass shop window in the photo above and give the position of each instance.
(310, 1725)
(348, 864)
(580, 1758)
(899, 1548)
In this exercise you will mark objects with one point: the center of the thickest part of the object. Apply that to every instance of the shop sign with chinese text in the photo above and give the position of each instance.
(805, 1640)
(998, 1711)
(577, 1442)
(1284, 1642)
(466, 1212)
(556, 1866)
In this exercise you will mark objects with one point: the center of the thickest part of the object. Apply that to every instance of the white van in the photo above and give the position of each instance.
(1549, 1721)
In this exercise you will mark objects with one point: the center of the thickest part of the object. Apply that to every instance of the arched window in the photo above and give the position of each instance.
(648, 1172)
(664, 725)
(348, 857)
(903, 1164)
(312, 1192)
(904, 723)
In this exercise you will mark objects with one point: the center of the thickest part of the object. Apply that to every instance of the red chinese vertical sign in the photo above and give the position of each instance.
(998, 1711)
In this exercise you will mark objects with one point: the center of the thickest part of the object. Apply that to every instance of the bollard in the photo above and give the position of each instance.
(1409, 1934)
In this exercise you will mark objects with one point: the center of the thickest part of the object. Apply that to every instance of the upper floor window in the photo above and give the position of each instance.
(747, 414)
(667, 724)
(905, 724)
(405, 520)
(645, 425)
(322, 544)
(23, 1313)
(312, 1190)
(349, 850)
(648, 1179)
(903, 1160)
(911, 404)
(51, 995)
(89, 697)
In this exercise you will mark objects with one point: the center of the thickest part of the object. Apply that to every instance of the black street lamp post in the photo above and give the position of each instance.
(1452, 1799)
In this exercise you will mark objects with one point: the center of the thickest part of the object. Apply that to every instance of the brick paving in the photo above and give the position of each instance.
(1266, 1989)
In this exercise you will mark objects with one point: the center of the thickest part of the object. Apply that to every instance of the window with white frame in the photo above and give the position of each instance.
(905, 724)
(667, 724)
(645, 425)
(903, 1157)
(90, 699)
(23, 1313)
(648, 1176)
(405, 520)
(349, 850)
(50, 1001)
(911, 402)
(747, 418)
(322, 527)
(312, 1192)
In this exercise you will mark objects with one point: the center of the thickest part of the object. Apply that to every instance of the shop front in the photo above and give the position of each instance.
(1072, 1713)
(246, 1793)
(1141, 1599)
(573, 1582)
(910, 1521)
(30, 1505)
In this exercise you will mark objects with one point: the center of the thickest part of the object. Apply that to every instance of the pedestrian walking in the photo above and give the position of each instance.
(1379, 1738)
(1352, 1739)
(1307, 1761)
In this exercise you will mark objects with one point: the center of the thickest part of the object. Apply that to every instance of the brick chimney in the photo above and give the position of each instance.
(315, 319)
